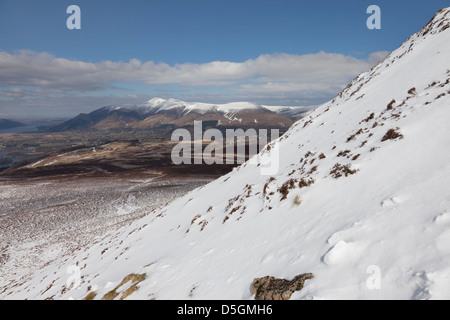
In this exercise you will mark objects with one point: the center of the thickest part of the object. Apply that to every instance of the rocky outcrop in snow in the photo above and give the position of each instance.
(270, 288)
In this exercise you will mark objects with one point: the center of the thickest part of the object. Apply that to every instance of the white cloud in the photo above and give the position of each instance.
(320, 74)
(378, 56)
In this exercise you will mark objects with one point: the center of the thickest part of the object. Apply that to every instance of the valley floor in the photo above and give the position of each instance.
(47, 218)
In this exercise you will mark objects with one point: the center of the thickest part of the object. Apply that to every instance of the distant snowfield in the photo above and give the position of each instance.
(371, 170)
(163, 104)
(156, 105)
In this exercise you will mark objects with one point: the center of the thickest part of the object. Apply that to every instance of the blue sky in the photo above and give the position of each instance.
(287, 52)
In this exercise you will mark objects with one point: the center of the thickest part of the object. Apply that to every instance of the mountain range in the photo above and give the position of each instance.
(172, 113)
(9, 124)
(360, 199)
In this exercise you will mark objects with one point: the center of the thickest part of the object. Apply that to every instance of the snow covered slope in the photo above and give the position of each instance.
(370, 169)
(291, 112)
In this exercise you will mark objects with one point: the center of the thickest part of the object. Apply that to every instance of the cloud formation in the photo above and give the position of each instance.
(282, 75)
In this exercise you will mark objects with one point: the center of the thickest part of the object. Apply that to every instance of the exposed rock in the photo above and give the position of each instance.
(270, 288)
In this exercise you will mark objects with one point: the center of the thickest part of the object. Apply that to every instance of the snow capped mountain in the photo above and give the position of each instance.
(159, 112)
(156, 105)
(361, 199)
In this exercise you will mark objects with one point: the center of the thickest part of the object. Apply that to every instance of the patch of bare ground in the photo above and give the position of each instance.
(340, 170)
(392, 134)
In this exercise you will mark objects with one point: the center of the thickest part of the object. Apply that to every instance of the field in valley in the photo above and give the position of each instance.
(65, 191)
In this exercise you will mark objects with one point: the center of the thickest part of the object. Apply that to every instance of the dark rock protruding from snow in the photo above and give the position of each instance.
(270, 288)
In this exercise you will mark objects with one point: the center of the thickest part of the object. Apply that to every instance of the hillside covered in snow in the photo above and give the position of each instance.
(361, 200)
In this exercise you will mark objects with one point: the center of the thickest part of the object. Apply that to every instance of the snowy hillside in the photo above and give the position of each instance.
(291, 112)
(362, 190)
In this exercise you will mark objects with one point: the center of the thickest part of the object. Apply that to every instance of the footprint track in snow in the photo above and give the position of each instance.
(391, 202)
(442, 218)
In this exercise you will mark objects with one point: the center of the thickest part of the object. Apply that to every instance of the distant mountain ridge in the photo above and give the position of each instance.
(9, 124)
(158, 112)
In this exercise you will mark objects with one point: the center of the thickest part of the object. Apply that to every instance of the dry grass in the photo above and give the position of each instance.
(297, 200)
(392, 134)
(267, 184)
(234, 210)
(195, 219)
(440, 96)
(352, 137)
(432, 84)
(305, 183)
(340, 170)
(90, 296)
(203, 225)
(135, 279)
(343, 153)
(313, 169)
(390, 106)
(309, 154)
(370, 117)
(191, 293)
(284, 189)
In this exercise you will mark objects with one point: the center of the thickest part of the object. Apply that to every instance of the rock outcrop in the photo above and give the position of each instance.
(270, 288)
